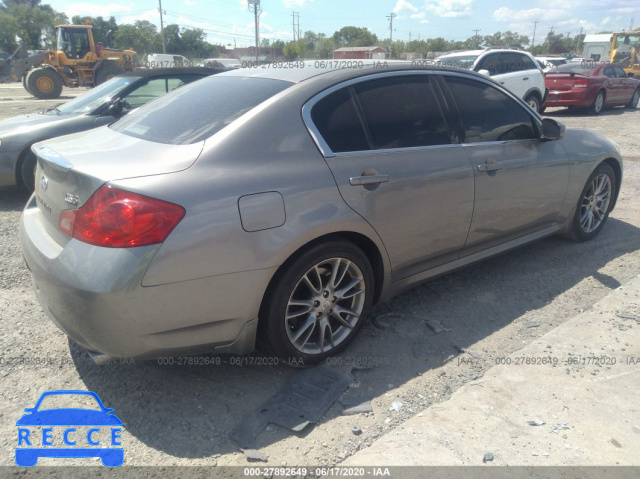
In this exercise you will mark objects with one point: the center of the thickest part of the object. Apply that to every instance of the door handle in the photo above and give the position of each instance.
(368, 180)
(525, 78)
(490, 167)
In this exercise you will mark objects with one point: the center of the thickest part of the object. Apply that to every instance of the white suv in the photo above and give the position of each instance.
(517, 70)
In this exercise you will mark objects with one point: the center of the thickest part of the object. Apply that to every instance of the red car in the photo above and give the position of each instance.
(591, 85)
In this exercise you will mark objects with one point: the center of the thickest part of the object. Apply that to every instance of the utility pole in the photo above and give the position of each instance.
(296, 25)
(533, 42)
(164, 48)
(254, 6)
(476, 35)
(391, 16)
(551, 32)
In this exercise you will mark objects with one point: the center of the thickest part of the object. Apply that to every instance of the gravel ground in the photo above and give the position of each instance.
(182, 415)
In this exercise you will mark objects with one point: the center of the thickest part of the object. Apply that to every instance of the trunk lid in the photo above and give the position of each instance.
(563, 82)
(71, 168)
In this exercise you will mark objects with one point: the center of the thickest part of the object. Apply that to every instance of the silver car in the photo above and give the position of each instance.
(280, 205)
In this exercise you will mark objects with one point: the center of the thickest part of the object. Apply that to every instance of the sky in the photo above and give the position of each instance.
(229, 22)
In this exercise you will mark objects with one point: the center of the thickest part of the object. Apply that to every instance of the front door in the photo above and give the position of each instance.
(520, 180)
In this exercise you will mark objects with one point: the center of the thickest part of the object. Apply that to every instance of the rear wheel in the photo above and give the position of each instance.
(533, 103)
(594, 204)
(107, 72)
(318, 304)
(598, 103)
(28, 170)
(44, 83)
(633, 103)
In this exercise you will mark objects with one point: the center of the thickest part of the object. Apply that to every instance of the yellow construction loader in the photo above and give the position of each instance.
(625, 51)
(77, 61)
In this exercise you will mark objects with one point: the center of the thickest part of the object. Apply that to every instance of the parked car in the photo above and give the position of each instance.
(591, 85)
(547, 63)
(517, 70)
(226, 62)
(100, 106)
(280, 205)
(165, 60)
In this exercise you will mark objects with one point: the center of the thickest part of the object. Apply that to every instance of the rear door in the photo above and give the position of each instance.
(389, 148)
(520, 180)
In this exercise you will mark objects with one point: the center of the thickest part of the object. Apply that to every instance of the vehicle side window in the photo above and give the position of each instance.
(402, 112)
(337, 120)
(619, 72)
(490, 62)
(488, 114)
(608, 72)
(146, 92)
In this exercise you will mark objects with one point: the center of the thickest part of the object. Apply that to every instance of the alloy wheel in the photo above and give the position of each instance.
(325, 306)
(595, 203)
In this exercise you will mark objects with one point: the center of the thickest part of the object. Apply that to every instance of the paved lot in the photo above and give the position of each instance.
(183, 415)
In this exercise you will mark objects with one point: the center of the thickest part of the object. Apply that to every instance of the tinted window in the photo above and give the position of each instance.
(490, 62)
(337, 121)
(402, 112)
(154, 88)
(578, 67)
(488, 114)
(608, 72)
(619, 72)
(514, 62)
(196, 111)
(96, 97)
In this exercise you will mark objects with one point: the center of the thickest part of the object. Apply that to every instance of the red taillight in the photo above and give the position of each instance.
(115, 218)
(581, 83)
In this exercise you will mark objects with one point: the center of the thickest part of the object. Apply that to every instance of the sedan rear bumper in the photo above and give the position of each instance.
(96, 297)
(569, 98)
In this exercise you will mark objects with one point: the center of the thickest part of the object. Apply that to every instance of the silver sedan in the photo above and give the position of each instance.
(280, 205)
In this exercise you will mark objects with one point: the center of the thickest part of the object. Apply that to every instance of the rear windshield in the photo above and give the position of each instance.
(197, 111)
(584, 68)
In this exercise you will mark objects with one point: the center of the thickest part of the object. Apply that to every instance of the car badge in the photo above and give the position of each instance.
(71, 199)
(44, 182)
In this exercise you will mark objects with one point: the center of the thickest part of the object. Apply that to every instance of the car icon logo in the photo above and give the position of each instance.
(84, 432)
(44, 182)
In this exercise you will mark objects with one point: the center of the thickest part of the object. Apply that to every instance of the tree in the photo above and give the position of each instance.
(142, 36)
(8, 32)
(99, 24)
(30, 21)
(194, 44)
(291, 50)
(354, 37)
(172, 41)
(278, 44)
(324, 48)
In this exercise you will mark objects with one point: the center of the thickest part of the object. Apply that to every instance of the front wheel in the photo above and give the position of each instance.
(318, 305)
(633, 103)
(594, 204)
(28, 170)
(44, 83)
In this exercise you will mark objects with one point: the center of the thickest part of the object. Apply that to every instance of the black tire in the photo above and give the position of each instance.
(44, 83)
(533, 103)
(598, 103)
(591, 207)
(278, 335)
(28, 170)
(107, 71)
(24, 84)
(633, 102)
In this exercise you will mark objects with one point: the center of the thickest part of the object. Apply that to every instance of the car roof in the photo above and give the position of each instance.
(152, 72)
(338, 70)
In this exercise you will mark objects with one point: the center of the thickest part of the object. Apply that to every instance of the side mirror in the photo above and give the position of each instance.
(115, 109)
(552, 129)
(630, 74)
(484, 72)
